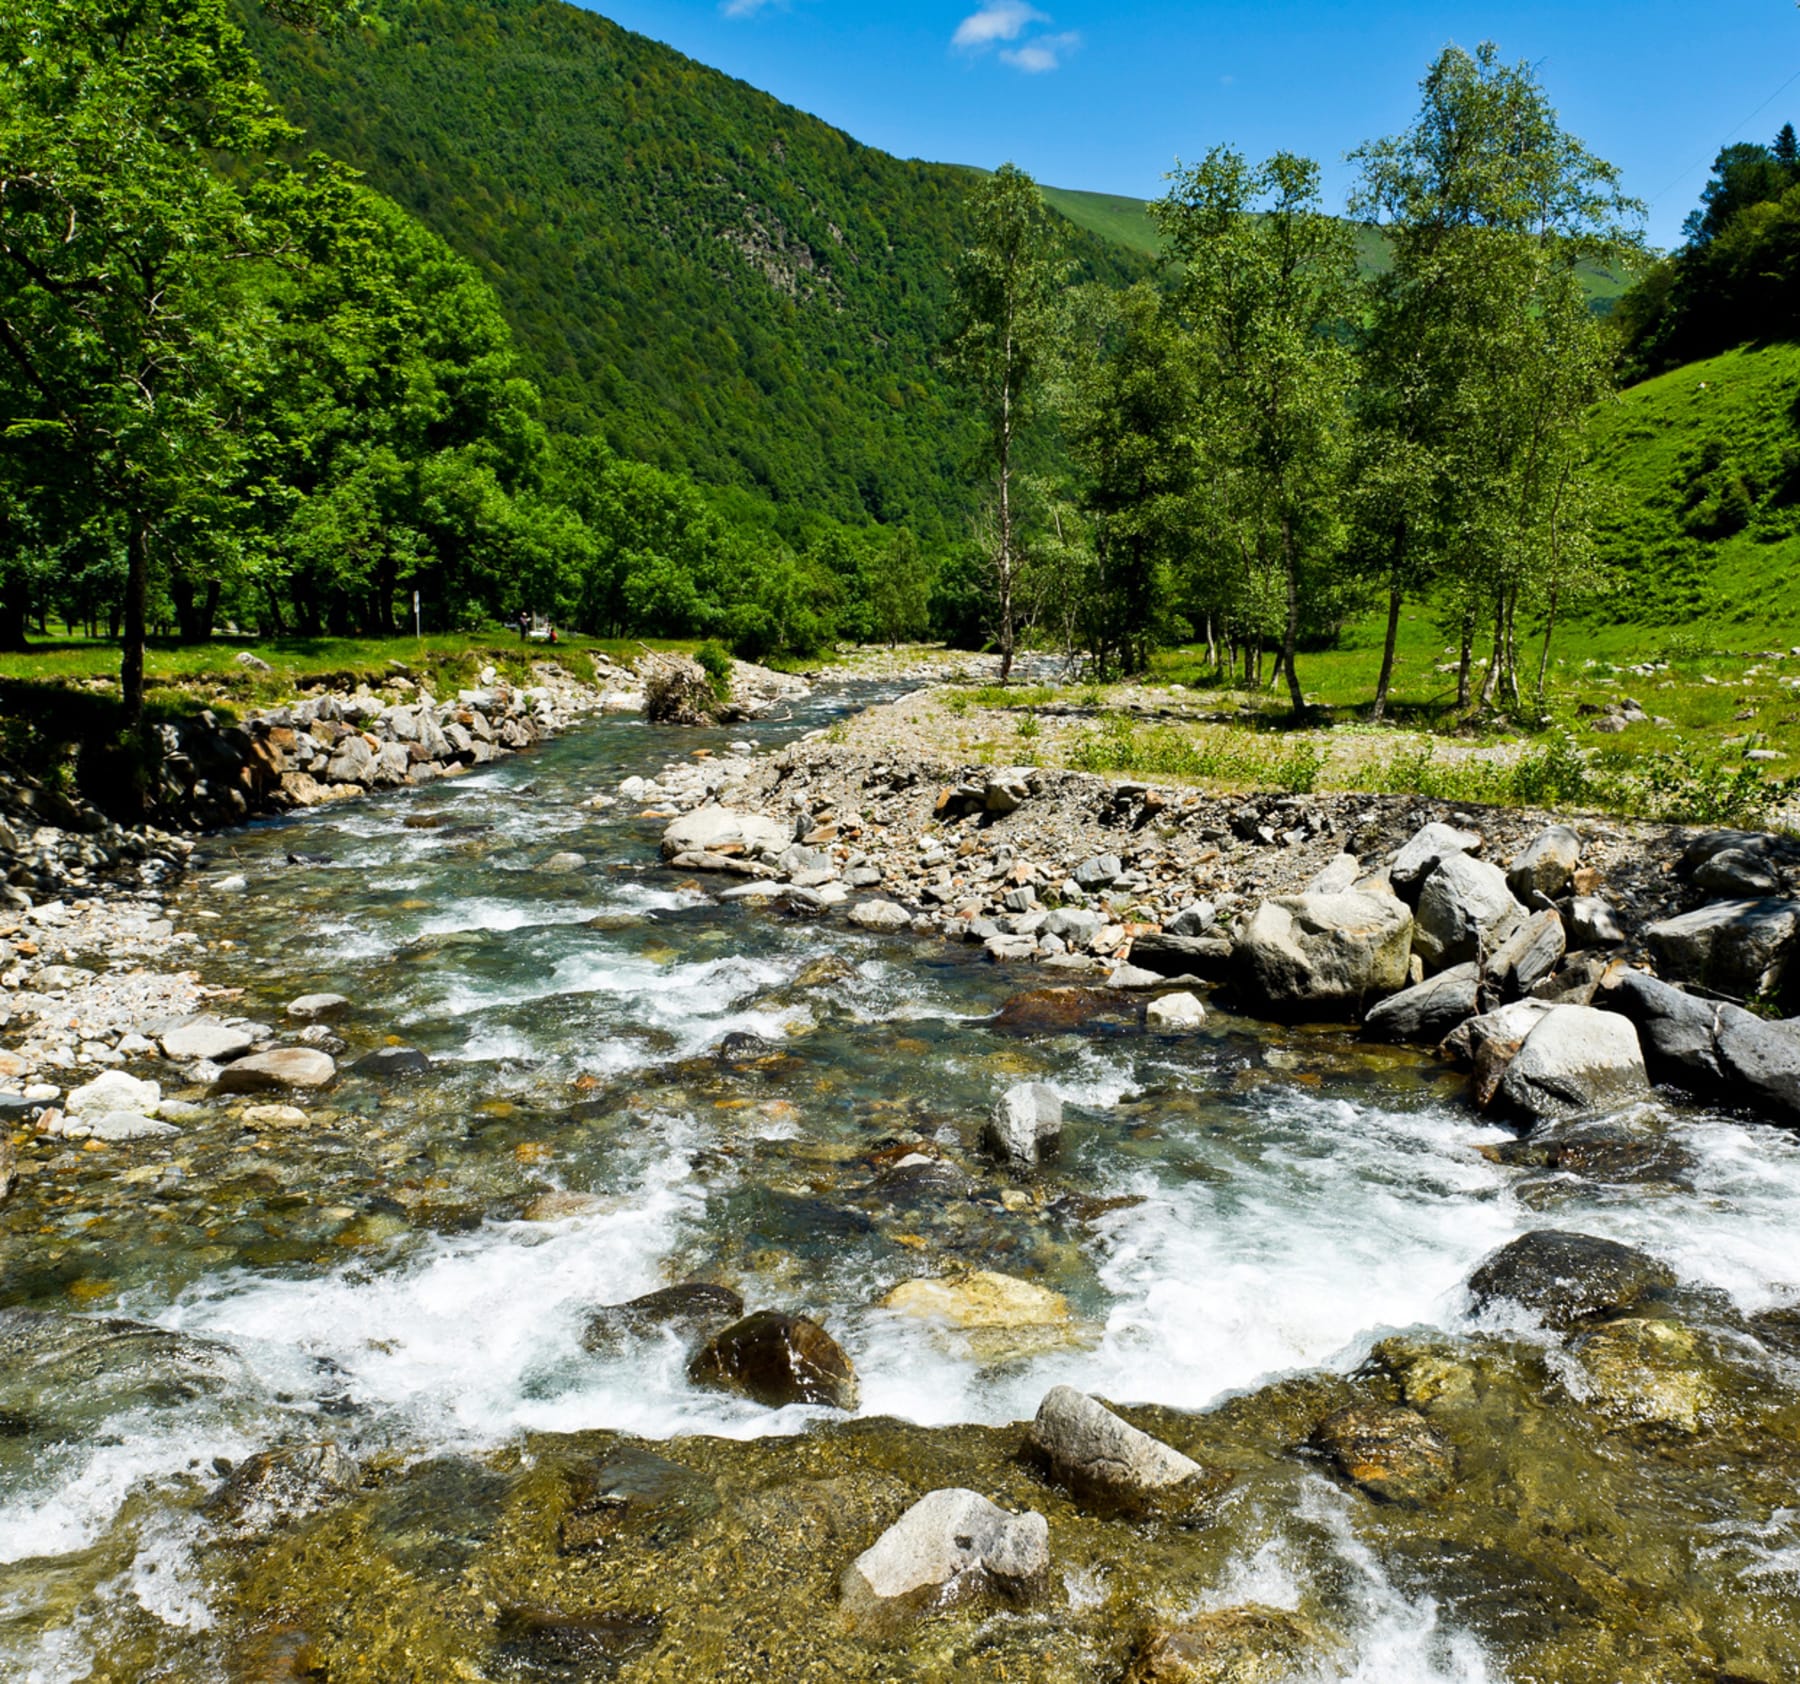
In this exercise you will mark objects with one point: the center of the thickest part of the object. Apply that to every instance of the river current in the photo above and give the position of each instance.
(413, 1274)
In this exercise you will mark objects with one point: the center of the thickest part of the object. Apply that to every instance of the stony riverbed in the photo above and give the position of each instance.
(323, 1384)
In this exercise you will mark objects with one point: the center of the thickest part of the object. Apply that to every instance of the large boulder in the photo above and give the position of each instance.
(1025, 1124)
(1323, 954)
(1465, 908)
(1569, 1280)
(1428, 1012)
(1575, 1059)
(1546, 864)
(1737, 947)
(723, 830)
(879, 915)
(1426, 852)
(111, 1092)
(270, 1072)
(1208, 957)
(949, 1548)
(1097, 1455)
(777, 1359)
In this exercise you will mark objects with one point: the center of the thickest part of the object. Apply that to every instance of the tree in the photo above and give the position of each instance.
(1005, 287)
(1127, 409)
(1266, 296)
(1479, 359)
(128, 312)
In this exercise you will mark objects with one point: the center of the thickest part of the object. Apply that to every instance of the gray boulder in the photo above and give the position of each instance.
(317, 1008)
(1101, 872)
(1736, 873)
(1569, 1280)
(721, 830)
(1527, 956)
(949, 1548)
(1026, 1124)
(1426, 852)
(1338, 877)
(120, 1127)
(1575, 1059)
(1703, 847)
(1546, 864)
(1195, 920)
(1464, 908)
(1736, 947)
(206, 1038)
(114, 1091)
(879, 915)
(1427, 1013)
(1007, 790)
(270, 1072)
(1097, 1455)
(1316, 954)
(1592, 923)
(1172, 955)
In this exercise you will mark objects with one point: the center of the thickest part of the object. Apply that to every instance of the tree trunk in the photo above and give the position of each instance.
(1491, 679)
(131, 655)
(1290, 633)
(1005, 572)
(15, 614)
(1212, 648)
(1544, 653)
(194, 616)
(1385, 681)
(1465, 661)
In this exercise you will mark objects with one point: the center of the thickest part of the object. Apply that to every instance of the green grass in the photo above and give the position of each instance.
(1704, 464)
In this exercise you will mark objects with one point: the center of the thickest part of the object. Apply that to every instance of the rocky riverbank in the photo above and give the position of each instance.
(1620, 952)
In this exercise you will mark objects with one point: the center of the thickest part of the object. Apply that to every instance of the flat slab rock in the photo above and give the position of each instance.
(271, 1072)
(949, 1548)
(209, 1039)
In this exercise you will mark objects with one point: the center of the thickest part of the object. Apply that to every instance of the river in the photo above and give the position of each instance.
(634, 1083)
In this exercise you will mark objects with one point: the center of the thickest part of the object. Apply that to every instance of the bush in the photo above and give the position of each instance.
(716, 662)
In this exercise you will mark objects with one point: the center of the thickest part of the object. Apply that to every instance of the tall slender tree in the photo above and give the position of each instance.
(1006, 285)
(1267, 295)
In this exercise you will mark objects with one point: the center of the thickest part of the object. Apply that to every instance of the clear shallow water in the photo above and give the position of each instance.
(1229, 1209)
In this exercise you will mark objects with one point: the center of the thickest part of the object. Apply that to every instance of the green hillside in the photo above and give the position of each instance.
(1704, 463)
(1124, 221)
(720, 284)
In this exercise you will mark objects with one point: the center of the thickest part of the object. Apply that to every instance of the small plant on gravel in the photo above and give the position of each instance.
(1029, 727)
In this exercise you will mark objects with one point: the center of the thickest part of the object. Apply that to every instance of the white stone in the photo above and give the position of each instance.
(115, 1091)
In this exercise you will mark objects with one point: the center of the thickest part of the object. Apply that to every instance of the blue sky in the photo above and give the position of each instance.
(1106, 96)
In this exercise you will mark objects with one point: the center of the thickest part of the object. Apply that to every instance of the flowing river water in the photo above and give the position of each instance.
(634, 1083)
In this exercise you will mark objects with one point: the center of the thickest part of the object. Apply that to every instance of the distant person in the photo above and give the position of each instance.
(524, 625)
(552, 631)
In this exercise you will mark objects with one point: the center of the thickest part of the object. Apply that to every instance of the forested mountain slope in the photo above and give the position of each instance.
(716, 282)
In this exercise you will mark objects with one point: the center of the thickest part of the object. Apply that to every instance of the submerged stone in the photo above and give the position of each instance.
(693, 1311)
(1098, 1455)
(1646, 1372)
(1247, 1645)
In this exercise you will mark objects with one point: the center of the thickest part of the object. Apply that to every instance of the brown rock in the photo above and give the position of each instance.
(1249, 1645)
(1393, 1454)
(777, 1359)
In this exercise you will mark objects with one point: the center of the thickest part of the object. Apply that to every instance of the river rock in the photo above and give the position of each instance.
(317, 1008)
(1425, 1014)
(1247, 1645)
(692, 1312)
(1339, 876)
(1735, 873)
(1025, 1125)
(776, 1359)
(561, 865)
(117, 1128)
(1575, 1059)
(1531, 953)
(1593, 923)
(1391, 1452)
(949, 1548)
(719, 830)
(1100, 872)
(1207, 957)
(1316, 954)
(286, 1067)
(1760, 1062)
(979, 1299)
(1098, 1455)
(207, 1038)
(1646, 1372)
(1174, 1014)
(1007, 789)
(1568, 1280)
(1464, 907)
(114, 1091)
(1546, 864)
(1738, 947)
(883, 915)
(1698, 849)
(1195, 920)
(1427, 850)
(385, 1063)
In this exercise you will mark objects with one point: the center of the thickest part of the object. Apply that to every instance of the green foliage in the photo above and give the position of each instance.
(716, 284)
(717, 664)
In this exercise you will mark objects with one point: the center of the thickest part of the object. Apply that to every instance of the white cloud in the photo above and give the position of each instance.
(1045, 52)
(998, 20)
(748, 8)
